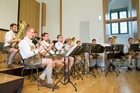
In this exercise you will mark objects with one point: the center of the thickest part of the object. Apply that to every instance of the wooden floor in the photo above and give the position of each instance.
(125, 83)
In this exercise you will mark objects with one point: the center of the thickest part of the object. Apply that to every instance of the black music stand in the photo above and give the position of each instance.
(77, 51)
(67, 77)
(134, 48)
(87, 48)
(113, 49)
(97, 48)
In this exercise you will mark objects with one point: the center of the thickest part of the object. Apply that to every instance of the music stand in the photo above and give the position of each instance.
(134, 48)
(113, 49)
(97, 48)
(88, 48)
(73, 49)
(76, 52)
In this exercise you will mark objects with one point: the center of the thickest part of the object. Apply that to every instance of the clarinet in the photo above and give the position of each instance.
(43, 46)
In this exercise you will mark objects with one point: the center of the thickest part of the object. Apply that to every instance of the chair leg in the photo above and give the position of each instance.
(31, 74)
(37, 77)
(22, 71)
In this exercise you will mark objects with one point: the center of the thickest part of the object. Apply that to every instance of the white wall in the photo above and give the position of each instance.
(76, 11)
(52, 17)
(8, 13)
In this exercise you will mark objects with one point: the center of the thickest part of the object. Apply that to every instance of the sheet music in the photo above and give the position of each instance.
(104, 44)
(71, 49)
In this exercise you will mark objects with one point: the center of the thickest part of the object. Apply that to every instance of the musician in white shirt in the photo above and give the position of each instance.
(9, 40)
(99, 57)
(129, 55)
(68, 46)
(117, 56)
(60, 50)
(29, 53)
(50, 47)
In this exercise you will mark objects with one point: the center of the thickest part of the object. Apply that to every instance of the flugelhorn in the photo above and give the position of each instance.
(43, 46)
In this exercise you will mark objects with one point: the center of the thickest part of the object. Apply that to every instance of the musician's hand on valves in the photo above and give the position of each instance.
(52, 45)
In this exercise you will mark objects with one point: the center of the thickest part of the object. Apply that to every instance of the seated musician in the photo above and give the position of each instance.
(61, 51)
(99, 57)
(129, 54)
(68, 46)
(117, 56)
(50, 47)
(9, 40)
(29, 53)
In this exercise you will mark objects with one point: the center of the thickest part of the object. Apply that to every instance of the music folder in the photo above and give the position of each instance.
(71, 49)
(134, 47)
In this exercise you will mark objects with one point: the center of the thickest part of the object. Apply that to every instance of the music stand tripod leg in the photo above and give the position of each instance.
(66, 77)
(107, 70)
(96, 66)
(76, 72)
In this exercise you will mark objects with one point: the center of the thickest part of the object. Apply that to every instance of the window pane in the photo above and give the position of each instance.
(123, 27)
(114, 15)
(115, 28)
(123, 14)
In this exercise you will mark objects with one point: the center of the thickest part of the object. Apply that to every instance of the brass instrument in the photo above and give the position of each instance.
(20, 34)
(73, 39)
(131, 52)
(114, 39)
(137, 41)
(44, 46)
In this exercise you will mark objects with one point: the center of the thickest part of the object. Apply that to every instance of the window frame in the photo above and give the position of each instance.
(118, 12)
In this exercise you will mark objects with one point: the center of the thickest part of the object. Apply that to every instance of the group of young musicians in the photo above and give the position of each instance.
(41, 53)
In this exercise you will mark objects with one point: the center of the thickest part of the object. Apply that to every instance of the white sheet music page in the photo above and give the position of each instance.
(71, 49)
(104, 44)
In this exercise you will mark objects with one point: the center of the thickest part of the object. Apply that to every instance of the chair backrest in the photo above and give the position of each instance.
(22, 59)
(1, 46)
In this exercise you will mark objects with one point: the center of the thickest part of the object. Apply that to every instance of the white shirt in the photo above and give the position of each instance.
(67, 47)
(59, 46)
(126, 48)
(25, 48)
(8, 36)
(47, 45)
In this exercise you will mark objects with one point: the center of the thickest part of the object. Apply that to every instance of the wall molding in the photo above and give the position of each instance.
(4, 29)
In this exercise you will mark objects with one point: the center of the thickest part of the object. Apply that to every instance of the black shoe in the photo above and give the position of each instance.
(137, 68)
(129, 68)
